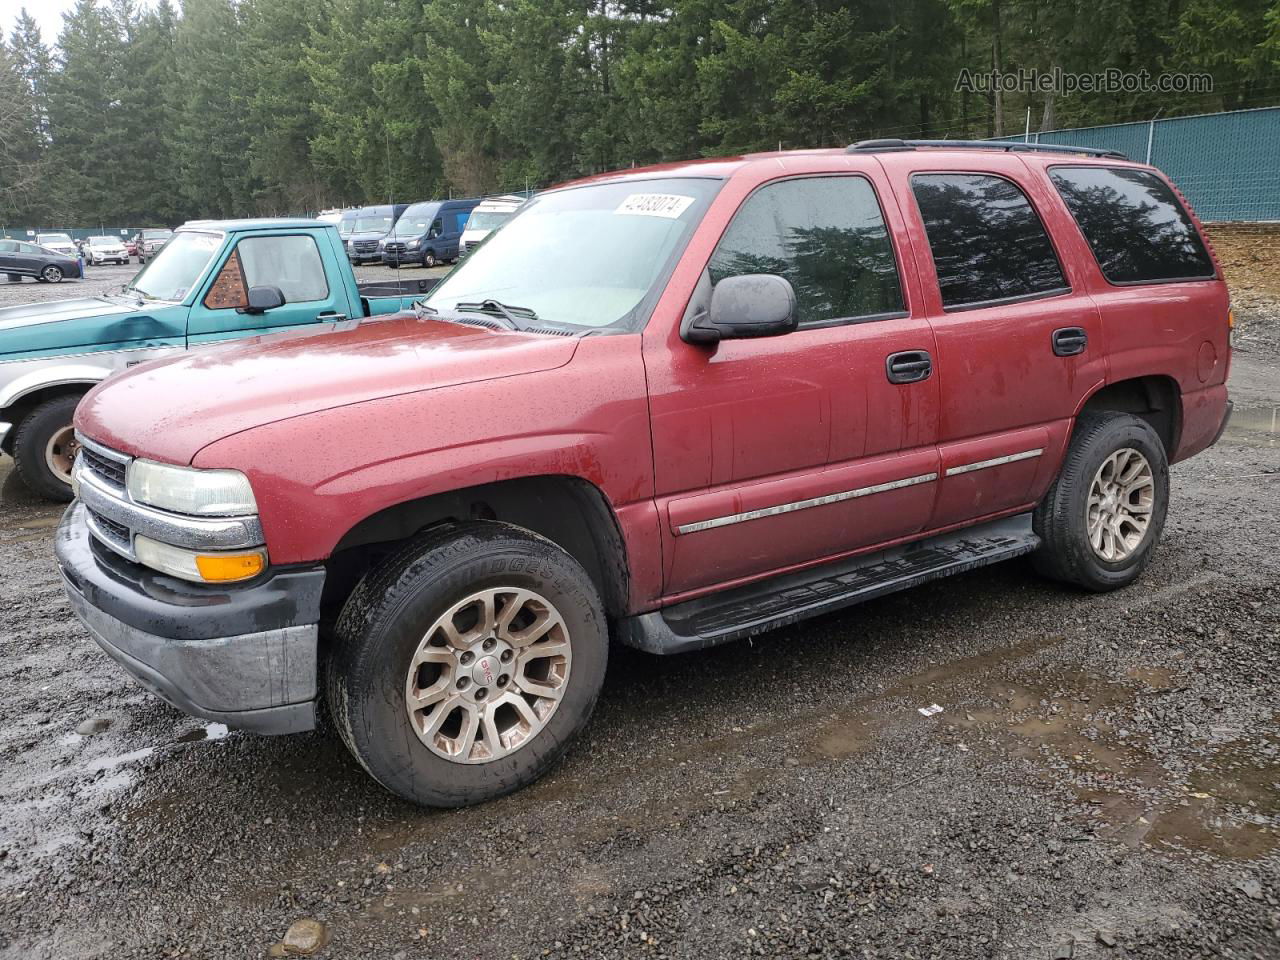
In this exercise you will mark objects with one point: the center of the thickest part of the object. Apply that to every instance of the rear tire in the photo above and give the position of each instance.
(42, 444)
(1103, 516)
(392, 650)
(15, 278)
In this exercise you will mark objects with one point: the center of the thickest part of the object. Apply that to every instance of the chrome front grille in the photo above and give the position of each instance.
(366, 246)
(115, 518)
(111, 470)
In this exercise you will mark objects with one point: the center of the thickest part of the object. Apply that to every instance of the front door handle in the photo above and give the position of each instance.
(909, 366)
(1069, 341)
(331, 315)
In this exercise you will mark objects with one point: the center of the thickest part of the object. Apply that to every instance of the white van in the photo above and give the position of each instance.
(488, 215)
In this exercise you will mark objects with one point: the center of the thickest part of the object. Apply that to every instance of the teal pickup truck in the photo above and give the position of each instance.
(214, 281)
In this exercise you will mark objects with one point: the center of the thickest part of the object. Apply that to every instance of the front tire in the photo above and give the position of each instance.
(464, 666)
(1103, 516)
(44, 448)
(51, 274)
(429, 259)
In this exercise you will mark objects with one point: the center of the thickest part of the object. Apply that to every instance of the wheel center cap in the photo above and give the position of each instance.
(485, 672)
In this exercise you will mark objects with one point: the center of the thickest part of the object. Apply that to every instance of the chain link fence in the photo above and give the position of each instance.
(1227, 164)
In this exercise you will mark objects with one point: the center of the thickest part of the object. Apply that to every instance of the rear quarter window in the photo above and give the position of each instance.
(1138, 230)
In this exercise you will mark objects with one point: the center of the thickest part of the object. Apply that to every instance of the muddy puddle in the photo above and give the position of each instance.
(1221, 796)
(1259, 424)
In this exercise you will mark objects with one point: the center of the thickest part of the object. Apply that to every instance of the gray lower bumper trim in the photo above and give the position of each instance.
(265, 682)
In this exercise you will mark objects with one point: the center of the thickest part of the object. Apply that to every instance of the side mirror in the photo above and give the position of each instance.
(746, 306)
(262, 299)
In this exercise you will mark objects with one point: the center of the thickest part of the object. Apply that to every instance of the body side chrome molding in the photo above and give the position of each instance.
(994, 462)
(804, 504)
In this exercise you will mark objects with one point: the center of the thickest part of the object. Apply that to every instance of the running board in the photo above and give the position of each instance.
(773, 603)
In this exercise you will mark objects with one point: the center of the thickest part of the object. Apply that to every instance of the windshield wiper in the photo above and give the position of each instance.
(508, 312)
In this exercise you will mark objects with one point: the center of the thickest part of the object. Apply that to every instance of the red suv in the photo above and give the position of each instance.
(675, 407)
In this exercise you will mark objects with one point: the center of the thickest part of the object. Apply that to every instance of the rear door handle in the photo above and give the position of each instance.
(1069, 341)
(909, 366)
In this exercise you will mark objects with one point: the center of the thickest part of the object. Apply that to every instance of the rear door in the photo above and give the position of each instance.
(779, 452)
(291, 262)
(1019, 337)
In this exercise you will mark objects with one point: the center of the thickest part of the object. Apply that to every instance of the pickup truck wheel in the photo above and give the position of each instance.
(1103, 516)
(464, 666)
(45, 447)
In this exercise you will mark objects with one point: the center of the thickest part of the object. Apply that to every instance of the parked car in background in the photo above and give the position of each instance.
(19, 259)
(332, 215)
(58, 243)
(488, 215)
(132, 246)
(368, 226)
(105, 250)
(682, 406)
(212, 282)
(151, 242)
(427, 234)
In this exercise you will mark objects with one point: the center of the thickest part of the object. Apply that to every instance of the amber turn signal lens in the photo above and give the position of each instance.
(224, 568)
(1231, 319)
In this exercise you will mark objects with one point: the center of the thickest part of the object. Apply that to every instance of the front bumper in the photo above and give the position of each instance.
(246, 657)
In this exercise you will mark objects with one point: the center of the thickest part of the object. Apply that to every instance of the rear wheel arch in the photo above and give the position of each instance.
(571, 512)
(1155, 398)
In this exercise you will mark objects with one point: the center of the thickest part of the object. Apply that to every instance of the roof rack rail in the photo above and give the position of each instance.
(1009, 146)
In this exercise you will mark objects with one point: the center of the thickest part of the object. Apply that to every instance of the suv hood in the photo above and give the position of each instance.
(171, 409)
(72, 325)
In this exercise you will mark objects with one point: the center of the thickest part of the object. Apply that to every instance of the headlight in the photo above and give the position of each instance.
(416, 242)
(199, 567)
(200, 493)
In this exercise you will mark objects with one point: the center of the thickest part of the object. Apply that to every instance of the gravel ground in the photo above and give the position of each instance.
(1103, 779)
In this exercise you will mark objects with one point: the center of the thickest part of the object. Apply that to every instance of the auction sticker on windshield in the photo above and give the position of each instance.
(669, 205)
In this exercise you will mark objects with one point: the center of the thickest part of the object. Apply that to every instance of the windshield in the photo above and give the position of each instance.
(53, 238)
(176, 268)
(489, 219)
(586, 256)
(416, 220)
(156, 234)
(371, 224)
(103, 241)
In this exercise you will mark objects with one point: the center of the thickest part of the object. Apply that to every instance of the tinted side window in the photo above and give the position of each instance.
(987, 241)
(824, 234)
(1134, 223)
(8, 246)
(291, 263)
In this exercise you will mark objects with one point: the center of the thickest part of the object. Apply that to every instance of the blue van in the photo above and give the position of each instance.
(428, 233)
(365, 228)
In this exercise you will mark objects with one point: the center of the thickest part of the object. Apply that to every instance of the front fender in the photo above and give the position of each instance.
(36, 375)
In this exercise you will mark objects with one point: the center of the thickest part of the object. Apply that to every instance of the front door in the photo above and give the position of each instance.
(778, 452)
(291, 262)
(1019, 337)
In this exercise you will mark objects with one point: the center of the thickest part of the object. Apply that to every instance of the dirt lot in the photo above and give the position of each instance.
(1103, 780)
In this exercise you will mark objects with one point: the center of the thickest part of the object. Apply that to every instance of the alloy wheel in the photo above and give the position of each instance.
(488, 675)
(1121, 501)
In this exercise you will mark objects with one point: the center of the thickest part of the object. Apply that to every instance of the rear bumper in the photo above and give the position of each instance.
(245, 657)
